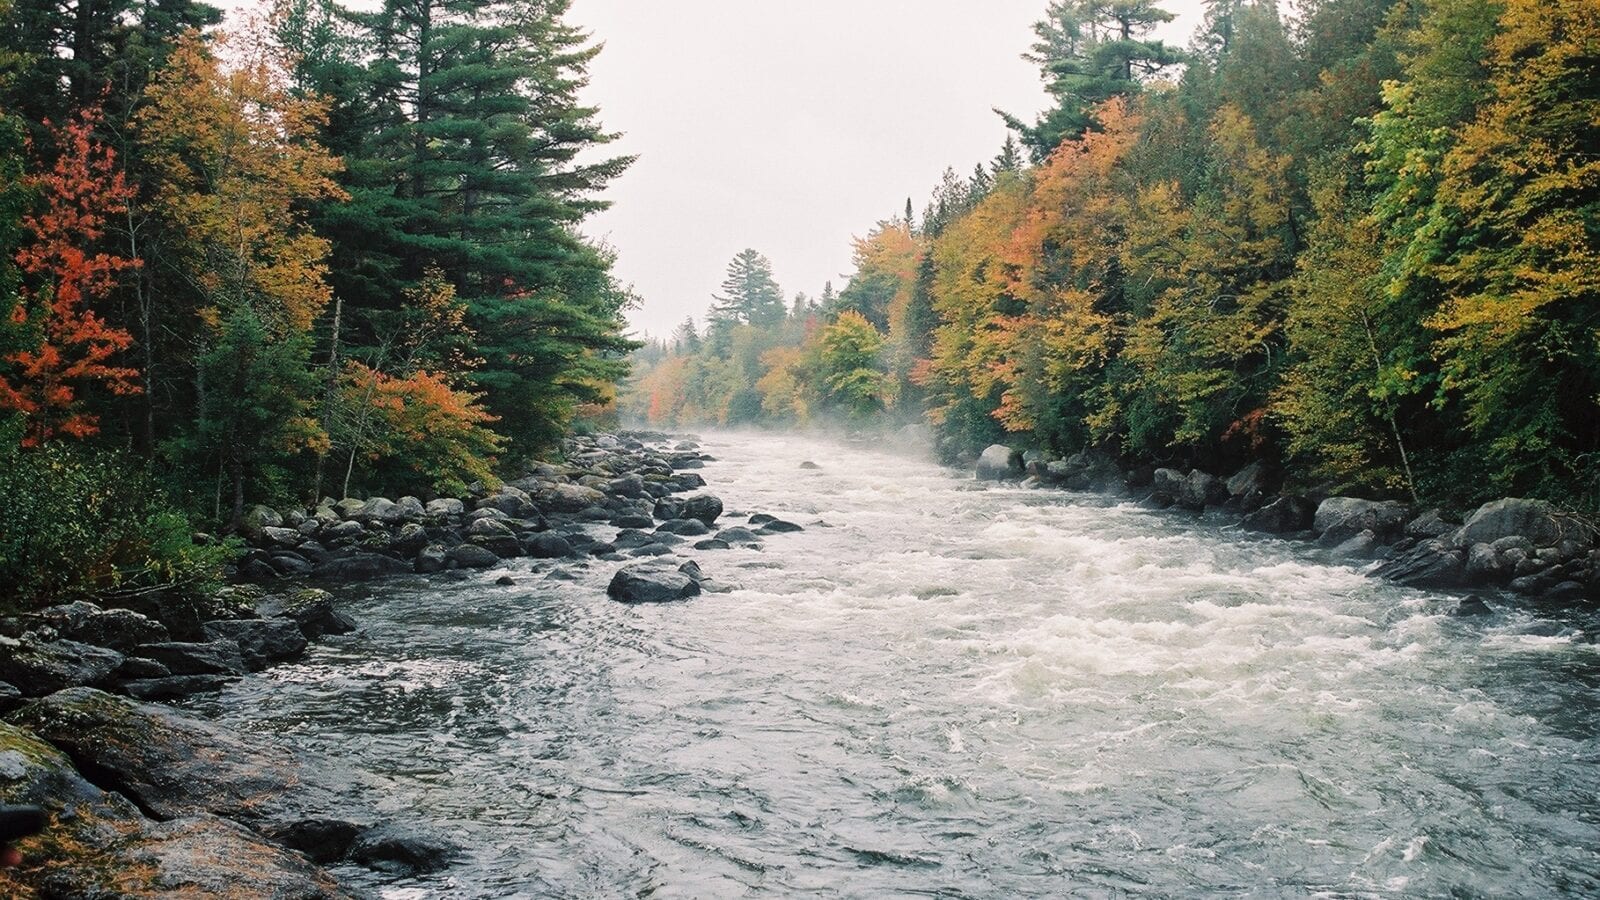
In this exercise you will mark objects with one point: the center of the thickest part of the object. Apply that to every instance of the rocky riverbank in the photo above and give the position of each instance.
(145, 800)
(1524, 548)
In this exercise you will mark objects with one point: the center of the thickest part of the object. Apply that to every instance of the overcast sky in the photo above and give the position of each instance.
(791, 125)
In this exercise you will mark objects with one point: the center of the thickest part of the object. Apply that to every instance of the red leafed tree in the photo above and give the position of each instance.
(64, 273)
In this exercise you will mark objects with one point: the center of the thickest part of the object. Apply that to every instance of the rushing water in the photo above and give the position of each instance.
(944, 690)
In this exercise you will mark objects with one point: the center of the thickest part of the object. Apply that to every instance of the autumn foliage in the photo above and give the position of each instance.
(66, 271)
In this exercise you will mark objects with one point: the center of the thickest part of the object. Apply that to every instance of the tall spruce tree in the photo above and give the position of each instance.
(468, 161)
(749, 295)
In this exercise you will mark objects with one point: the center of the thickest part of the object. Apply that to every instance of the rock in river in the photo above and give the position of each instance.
(651, 584)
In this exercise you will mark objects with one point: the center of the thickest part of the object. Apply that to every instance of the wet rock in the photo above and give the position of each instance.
(810, 466)
(10, 697)
(432, 558)
(343, 533)
(511, 500)
(360, 566)
(1471, 606)
(779, 526)
(761, 519)
(633, 521)
(381, 510)
(312, 610)
(560, 497)
(320, 840)
(172, 687)
(174, 765)
(651, 584)
(488, 512)
(713, 544)
(1340, 518)
(282, 537)
(687, 481)
(547, 546)
(118, 629)
(627, 486)
(999, 463)
(1537, 521)
(649, 550)
(739, 534)
(503, 546)
(43, 667)
(703, 507)
(291, 565)
(472, 556)
(1430, 524)
(399, 850)
(1567, 592)
(1252, 479)
(1428, 565)
(410, 539)
(216, 657)
(1284, 515)
(684, 527)
(1200, 490)
(259, 518)
(1166, 486)
(99, 845)
(1361, 546)
(261, 642)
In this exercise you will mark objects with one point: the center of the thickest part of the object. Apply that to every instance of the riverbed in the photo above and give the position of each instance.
(942, 688)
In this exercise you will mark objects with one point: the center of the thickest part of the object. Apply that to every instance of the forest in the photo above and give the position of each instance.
(330, 251)
(1357, 242)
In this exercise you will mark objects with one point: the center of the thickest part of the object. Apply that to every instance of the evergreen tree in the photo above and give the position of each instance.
(749, 296)
(1089, 51)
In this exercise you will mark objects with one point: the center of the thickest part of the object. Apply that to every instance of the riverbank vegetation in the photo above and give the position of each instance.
(333, 250)
(1357, 243)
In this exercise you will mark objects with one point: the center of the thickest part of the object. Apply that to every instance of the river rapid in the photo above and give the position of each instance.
(953, 690)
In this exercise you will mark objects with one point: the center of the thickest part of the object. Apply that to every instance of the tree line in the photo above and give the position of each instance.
(1358, 242)
(331, 251)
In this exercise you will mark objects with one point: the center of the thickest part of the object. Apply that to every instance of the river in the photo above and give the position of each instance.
(944, 689)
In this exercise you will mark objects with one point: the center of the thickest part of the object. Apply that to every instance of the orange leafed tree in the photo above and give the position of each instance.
(75, 348)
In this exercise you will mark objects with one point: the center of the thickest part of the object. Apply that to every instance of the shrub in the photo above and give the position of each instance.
(81, 522)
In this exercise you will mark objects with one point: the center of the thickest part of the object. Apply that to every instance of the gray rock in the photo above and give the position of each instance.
(1430, 524)
(1340, 518)
(381, 510)
(651, 584)
(172, 687)
(399, 850)
(547, 546)
(487, 512)
(1536, 520)
(291, 565)
(37, 668)
(10, 697)
(739, 534)
(779, 526)
(1284, 515)
(626, 486)
(261, 642)
(1428, 565)
(282, 537)
(411, 509)
(1471, 606)
(410, 539)
(511, 500)
(489, 528)
(999, 463)
(1251, 479)
(1200, 490)
(1362, 546)
(472, 556)
(445, 507)
(684, 527)
(561, 497)
(349, 507)
(1166, 486)
(215, 657)
(713, 544)
(362, 566)
(343, 533)
(85, 622)
(633, 521)
(312, 609)
(432, 558)
(704, 507)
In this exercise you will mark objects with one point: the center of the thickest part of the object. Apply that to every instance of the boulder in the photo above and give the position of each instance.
(1430, 524)
(215, 657)
(490, 528)
(172, 764)
(1200, 490)
(738, 534)
(1340, 518)
(633, 520)
(398, 850)
(999, 463)
(85, 622)
(100, 845)
(381, 510)
(432, 558)
(704, 507)
(1284, 515)
(631, 486)
(37, 668)
(472, 556)
(445, 507)
(562, 497)
(291, 565)
(1166, 486)
(1431, 564)
(1361, 546)
(411, 509)
(651, 584)
(172, 687)
(1536, 520)
(343, 533)
(282, 537)
(684, 527)
(410, 539)
(1252, 479)
(261, 642)
(361, 566)
(687, 481)
(511, 500)
(547, 546)
(713, 544)
(312, 610)
(349, 507)
(779, 526)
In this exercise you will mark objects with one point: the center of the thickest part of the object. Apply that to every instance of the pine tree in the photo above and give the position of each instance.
(749, 296)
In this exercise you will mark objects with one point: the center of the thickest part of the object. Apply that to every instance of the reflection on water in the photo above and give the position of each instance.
(936, 690)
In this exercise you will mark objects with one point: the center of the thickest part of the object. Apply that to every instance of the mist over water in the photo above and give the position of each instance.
(946, 689)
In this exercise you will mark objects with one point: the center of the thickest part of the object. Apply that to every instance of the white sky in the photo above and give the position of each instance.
(792, 126)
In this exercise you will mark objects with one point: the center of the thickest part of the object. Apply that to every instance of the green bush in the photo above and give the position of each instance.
(79, 522)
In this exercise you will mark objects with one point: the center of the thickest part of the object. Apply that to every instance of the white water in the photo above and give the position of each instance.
(944, 689)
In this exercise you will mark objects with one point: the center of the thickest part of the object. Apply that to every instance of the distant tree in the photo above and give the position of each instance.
(686, 339)
(749, 295)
